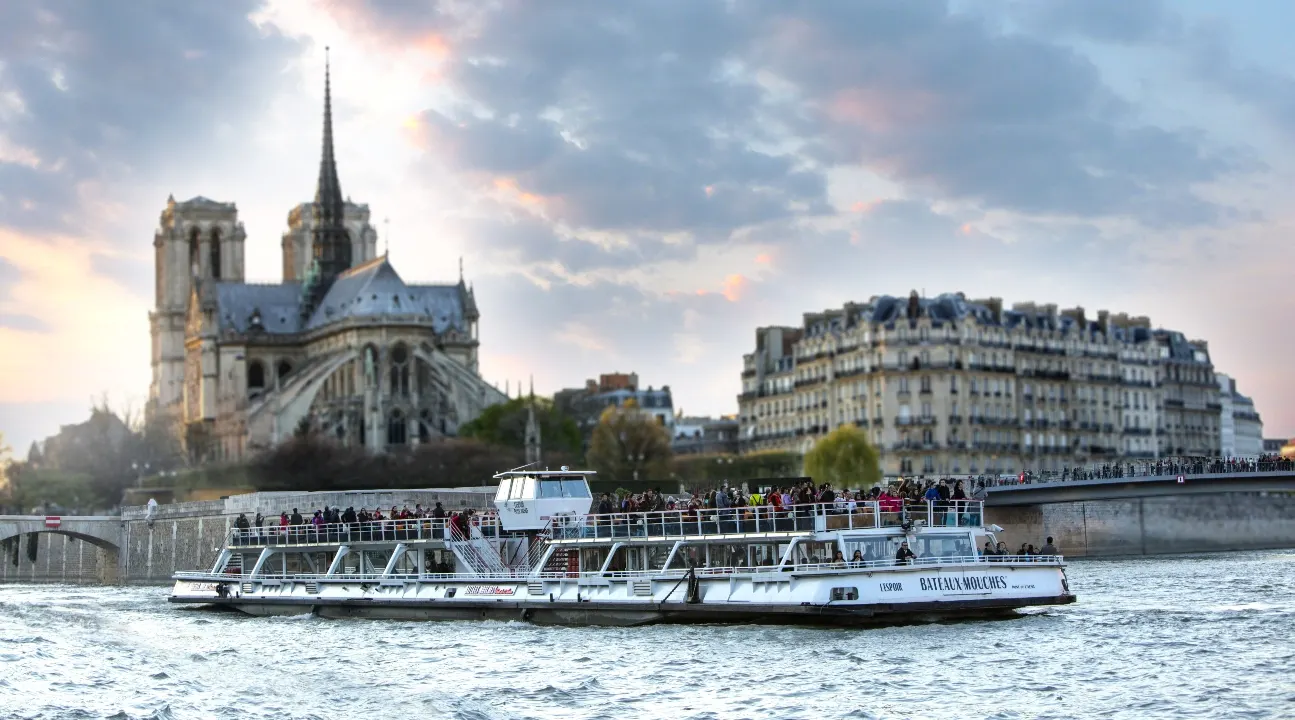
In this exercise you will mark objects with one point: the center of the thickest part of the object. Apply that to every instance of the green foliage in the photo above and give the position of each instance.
(316, 463)
(629, 445)
(110, 451)
(31, 487)
(504, 424)
(706, 472)
(845, 459)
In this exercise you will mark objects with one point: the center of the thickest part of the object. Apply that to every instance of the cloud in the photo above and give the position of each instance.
(946, 105)
(1211, 59)
(635, 185)
(77, 334)
(96, 92)
(1113, 21)
(22, 323)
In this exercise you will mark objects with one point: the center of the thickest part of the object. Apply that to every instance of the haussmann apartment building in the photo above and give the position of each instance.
(947, 385)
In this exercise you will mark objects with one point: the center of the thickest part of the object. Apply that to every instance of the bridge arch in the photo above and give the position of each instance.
(77, 550)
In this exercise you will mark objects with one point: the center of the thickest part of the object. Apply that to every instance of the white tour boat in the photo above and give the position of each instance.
(543, 557)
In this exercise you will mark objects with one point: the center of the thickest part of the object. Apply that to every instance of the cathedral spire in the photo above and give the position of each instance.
(330, 242)
(328, 193)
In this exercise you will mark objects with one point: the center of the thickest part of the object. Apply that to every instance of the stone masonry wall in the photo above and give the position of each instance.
(1153, 526)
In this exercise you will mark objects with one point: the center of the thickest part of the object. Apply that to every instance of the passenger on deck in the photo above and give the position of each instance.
(857, 560)
(904, 556)
(1049, 549)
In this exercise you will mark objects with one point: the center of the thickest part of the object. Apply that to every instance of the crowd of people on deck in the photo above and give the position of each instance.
(330, 523)
(802, 497)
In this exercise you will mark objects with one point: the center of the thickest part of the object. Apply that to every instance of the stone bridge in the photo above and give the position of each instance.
(78, 548)
(1125, 488)
(1150, 514)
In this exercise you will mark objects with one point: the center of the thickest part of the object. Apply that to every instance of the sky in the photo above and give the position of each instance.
(639, 185)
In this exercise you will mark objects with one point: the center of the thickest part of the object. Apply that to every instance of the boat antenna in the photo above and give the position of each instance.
(520, 467)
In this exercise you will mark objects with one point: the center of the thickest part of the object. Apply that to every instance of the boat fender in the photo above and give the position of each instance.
(550, 597)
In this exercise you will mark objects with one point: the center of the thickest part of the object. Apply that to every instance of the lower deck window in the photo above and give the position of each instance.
(845, 593)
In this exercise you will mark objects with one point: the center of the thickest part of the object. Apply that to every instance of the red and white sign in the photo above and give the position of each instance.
(52, 521)
(1181, 479)
(489, 590)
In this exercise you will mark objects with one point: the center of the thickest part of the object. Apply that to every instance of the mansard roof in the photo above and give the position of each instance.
(375, 289)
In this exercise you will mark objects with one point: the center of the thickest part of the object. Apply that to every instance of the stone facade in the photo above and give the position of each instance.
(586, 405)
(1241, 430)
(950, 386)
(705, 436)
(343, 345)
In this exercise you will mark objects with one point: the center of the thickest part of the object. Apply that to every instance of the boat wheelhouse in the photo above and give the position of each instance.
(540, 555)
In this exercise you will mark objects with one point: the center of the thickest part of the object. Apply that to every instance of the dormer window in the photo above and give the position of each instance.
(254, 321)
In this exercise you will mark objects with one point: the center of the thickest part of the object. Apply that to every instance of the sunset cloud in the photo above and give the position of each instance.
(620, 178)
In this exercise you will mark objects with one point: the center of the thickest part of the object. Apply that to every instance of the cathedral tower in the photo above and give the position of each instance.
(331, 243)
(197, 240)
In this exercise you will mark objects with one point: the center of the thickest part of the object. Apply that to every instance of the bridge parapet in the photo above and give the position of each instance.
(1115, 488)
(102, 530)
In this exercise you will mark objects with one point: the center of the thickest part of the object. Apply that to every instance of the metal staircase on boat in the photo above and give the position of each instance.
(476, 552)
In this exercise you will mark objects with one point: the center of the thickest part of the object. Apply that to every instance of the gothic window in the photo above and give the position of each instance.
(284, 369)
(195, 267)
(399, 372)
(425, 426)
(215, 253)
(255, 375)
(396, 428)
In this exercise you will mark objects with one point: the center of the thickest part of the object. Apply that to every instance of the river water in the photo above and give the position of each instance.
(1205, 636)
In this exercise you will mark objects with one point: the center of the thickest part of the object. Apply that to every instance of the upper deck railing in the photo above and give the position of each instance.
(767, 519)
(401, 530)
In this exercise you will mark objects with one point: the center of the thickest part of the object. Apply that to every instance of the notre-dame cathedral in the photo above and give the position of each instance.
(343, 346)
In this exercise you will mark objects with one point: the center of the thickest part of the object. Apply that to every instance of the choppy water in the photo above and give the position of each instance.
(1184, 637)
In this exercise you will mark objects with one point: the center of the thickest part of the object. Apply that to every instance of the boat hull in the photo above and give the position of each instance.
(872, 597)
(617, 615)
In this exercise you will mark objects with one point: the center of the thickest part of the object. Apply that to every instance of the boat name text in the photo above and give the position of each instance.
(961, 584)
(892, 587)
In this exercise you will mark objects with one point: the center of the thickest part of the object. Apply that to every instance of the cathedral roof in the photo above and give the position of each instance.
(376, 290)
(278, 306)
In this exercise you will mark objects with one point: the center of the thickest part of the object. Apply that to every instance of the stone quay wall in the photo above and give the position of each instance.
(1153, 526)
(185, 537)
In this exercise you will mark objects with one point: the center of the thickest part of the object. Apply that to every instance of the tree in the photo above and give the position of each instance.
(5, 462)
(845, 459)
(505, 424)
(628, 444)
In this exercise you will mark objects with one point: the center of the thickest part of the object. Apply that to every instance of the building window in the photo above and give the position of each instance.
(215, 253)
(255, 375)
(396, 428)
(399, 371)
